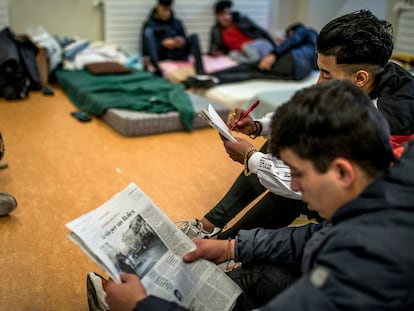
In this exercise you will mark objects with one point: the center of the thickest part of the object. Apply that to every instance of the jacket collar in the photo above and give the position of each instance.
(393, 189)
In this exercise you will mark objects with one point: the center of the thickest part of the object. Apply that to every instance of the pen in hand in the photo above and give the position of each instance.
(246, 113)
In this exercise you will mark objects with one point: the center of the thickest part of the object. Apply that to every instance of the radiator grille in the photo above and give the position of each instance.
(404, 40)
(4, 13)
(123, 19)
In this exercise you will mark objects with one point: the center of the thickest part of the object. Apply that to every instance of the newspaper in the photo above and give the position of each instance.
(213, 119)
(129, 233)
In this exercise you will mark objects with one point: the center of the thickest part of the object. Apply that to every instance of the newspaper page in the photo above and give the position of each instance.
(130, 233)
(214, 120)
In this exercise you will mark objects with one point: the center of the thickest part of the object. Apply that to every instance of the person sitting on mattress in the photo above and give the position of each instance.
(238, 36)
(164, 37)
(293, 59)
(390, 87)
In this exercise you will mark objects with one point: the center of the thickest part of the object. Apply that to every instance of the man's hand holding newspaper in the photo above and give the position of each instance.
(130, 234)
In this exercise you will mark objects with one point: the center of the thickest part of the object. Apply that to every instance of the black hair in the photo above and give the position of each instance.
(221, 5)
(165, 2)
(294, 26)
(357, 38)
(330, 120)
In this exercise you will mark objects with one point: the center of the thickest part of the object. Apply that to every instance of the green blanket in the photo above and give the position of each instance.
(139, 90)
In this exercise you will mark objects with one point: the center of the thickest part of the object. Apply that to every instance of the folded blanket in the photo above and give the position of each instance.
(138, 90)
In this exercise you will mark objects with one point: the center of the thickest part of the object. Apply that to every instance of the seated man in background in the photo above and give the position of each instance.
(390, 87)
(164, 37)
(293, 59)
(238, 36)
(361, 258)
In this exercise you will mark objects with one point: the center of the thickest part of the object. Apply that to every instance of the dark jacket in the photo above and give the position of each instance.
(363, 259)
(244, 24)
(394, 96)
(162, 29)
(301, 44)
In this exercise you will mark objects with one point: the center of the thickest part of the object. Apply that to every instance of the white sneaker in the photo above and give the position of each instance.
(194, 229)
(95, 292)
(214, 79)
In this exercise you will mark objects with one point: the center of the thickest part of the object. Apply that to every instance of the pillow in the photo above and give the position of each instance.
(104, 68)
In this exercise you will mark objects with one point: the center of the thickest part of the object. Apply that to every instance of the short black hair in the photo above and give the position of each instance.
(357, 38)
(221, 5)
(329, 120)
(165, 2)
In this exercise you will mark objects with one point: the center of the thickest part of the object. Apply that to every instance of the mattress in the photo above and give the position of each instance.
(237, 95)
(136, 123)
(137, 103)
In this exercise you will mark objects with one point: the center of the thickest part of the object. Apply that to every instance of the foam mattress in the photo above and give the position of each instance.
(136, 123)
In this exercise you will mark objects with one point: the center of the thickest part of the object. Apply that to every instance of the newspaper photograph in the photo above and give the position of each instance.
(130, 234)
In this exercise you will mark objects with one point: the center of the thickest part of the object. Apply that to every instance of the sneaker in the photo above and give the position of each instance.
(189, 83)
(194, 229)
(206, 81)
(7, 203)
(95, 292)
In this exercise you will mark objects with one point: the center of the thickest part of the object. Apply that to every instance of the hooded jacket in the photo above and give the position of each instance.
(394, 97)
(245, 25)
(362, 259)
(162, 29)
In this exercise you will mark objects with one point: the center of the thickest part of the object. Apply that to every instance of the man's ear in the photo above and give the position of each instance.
(361, 78)
(345, 171)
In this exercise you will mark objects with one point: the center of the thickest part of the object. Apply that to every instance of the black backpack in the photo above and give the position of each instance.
(18, 67)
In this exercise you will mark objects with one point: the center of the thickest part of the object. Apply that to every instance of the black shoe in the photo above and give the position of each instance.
(205, 81)
(189, 83)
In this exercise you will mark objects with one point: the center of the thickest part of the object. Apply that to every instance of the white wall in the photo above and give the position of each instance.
(82, 18)
(336, 8)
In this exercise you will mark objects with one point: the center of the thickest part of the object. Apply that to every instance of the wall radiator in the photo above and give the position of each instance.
(4, 13)
(404, 38)
(123, 19)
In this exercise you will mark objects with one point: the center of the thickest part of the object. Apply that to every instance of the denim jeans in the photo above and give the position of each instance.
(282, 69)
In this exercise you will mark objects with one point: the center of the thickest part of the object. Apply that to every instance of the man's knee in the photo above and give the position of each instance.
(193, 38)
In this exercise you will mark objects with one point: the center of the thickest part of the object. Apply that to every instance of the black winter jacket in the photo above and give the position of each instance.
(245, 25)
(162, 29)
(394, 97)
(363, 259)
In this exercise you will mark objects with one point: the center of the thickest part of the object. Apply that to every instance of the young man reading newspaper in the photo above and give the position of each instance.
(337, 146)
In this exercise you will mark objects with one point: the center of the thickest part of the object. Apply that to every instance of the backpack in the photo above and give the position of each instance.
(18, 68)
(14, 84)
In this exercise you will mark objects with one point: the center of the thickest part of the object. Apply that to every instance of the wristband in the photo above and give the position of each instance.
(257, 131)
(246, 160)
